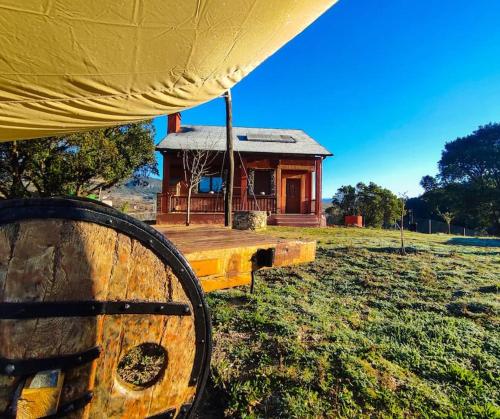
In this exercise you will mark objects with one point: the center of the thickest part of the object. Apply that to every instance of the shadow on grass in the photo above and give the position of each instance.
(395, 250)
(213, 402)
(490, 289)
(470, 309)
(474, 241)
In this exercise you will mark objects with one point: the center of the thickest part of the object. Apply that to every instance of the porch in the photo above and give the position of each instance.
(287, 189)
(167, 203)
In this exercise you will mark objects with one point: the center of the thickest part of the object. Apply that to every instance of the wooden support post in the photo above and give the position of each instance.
(165, 187)
(319, 163)
(166, 173)
(228, 202)
(278, 189)
(244, 185)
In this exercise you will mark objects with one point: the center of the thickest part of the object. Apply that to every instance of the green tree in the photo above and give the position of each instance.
(391, 206)
(468, 183)
(448, 217)
(429, 183)
(77, 164)
(474, 158)
(370, 204)
(345, 200)
(403, 198)
(378, 206)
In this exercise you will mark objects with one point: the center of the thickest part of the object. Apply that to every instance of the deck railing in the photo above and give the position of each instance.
(214, 204)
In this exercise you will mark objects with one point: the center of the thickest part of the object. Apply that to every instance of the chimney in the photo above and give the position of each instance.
(174, 123)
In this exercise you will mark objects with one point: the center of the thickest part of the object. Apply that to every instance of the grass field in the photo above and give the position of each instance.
(363, 331)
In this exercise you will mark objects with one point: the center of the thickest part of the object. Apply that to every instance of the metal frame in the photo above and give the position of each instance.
(40, 310)
(29, 366)
(86, 210)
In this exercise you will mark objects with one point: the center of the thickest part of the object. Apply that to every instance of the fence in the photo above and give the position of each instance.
(421, 225)
(429, 226)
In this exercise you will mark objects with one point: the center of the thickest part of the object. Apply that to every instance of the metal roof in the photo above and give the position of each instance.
(249, 140)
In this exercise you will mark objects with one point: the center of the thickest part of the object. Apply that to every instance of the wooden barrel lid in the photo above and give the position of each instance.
(103, 302)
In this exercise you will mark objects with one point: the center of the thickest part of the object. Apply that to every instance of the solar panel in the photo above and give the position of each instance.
(271, 138)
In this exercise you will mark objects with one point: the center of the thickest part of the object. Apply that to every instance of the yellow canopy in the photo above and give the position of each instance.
(70, 65)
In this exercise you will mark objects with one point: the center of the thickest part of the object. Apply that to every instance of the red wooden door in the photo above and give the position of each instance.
(292, 196)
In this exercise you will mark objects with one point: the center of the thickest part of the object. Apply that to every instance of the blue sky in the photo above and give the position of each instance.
(383, 84)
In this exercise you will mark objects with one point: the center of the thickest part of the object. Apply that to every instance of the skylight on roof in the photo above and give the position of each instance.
(271, 138)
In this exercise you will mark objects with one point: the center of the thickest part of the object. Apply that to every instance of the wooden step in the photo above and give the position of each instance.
(294, 220)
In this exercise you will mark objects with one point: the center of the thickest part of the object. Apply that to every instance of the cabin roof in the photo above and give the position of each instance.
(248, 140)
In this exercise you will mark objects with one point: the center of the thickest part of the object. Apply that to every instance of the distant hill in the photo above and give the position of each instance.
(146, 187)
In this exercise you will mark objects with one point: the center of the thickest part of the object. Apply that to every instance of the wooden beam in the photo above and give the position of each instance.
(165, 187)
(278, 189)
(319, 164)
(228, 202)
(166, 173)
(244, 185)
(298, 167)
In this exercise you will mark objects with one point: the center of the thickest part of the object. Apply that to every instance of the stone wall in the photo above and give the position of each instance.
(250, 220)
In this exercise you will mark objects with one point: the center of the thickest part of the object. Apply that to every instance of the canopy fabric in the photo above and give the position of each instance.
(74, 65)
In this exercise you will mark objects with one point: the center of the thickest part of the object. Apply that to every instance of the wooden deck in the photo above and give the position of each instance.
(222, 258)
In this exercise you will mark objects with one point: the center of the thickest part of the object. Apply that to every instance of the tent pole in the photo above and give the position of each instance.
(228, 202)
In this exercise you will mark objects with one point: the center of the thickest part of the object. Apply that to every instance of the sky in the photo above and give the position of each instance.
(382, 84)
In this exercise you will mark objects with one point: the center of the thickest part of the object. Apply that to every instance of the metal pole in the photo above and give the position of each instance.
(430, 226)
(228, 201)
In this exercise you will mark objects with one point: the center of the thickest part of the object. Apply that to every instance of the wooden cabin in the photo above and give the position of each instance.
(276, 170)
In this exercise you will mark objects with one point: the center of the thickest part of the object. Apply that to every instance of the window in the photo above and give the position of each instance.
(262, 182)
(210, 184)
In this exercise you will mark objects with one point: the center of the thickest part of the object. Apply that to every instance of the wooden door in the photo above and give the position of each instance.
(292, 196)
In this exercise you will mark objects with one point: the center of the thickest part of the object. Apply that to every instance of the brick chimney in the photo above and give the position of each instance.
(174, 123)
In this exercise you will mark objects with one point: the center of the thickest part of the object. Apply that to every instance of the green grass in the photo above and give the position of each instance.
(363, 331)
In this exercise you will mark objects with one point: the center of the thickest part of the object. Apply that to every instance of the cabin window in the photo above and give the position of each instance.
(261, 182)
(210, 184)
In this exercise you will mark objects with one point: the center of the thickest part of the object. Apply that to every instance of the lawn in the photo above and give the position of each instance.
(363, 331)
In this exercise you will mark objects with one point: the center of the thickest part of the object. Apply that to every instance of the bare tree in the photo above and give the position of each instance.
(197, 164)
(448, 217)
(402, 198)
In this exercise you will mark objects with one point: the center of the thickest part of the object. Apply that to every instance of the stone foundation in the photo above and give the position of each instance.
(250, 220)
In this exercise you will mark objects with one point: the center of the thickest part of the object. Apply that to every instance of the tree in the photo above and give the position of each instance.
(403, 198)
(429, 183)
(370, 204)
(77, 164)
(197, 164)
(377, 205)
(447, 216)
(468, 183)
(391, 207)
(474, 158)
(346, 200)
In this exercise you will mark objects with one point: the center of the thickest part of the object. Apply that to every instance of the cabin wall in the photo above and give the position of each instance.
(284, 168)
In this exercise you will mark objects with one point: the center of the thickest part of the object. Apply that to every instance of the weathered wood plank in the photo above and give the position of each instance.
(222, 258)
(54, 260)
